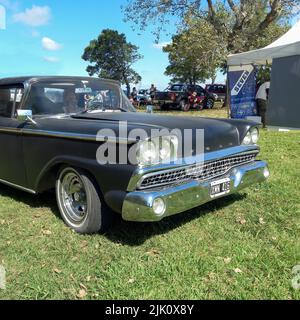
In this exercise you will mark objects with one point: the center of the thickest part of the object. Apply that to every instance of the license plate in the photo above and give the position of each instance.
(219, 188)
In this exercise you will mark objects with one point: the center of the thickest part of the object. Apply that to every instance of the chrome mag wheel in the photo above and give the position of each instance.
(72, 197)
(79, 201)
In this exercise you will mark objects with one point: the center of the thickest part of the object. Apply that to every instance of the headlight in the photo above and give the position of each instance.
(252, 137)
(147, 152)
(247, 140)
(165, 149)
(157, 150)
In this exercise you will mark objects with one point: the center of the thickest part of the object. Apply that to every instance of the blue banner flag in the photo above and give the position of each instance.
(242, 85)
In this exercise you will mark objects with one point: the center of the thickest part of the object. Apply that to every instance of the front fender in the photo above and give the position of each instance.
(108, 177)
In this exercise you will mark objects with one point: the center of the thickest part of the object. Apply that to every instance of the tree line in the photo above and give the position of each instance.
(207, 31)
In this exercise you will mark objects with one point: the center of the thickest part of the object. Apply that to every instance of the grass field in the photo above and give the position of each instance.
(240, 247)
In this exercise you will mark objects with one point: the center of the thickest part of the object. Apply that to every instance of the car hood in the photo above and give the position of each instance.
(218, 133)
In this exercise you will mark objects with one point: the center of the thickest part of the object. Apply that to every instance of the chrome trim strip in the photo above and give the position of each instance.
(209, 156)
(13, 185)
(11, 130)
(67, 135)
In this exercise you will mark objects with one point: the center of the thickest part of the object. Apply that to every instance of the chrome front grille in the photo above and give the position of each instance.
(205, 171)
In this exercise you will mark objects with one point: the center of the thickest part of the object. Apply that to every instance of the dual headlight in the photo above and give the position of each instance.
(252, 137)
(157, 150)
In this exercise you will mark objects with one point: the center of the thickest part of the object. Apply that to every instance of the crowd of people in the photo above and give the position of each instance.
(262, 97)
(133, 97)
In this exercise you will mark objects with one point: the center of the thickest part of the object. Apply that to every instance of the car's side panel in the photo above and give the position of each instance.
(43, 155)
(12, 167)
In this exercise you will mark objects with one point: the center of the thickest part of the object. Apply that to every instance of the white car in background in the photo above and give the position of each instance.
(143, 97)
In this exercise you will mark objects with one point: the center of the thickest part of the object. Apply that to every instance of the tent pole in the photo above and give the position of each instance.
(228, 98)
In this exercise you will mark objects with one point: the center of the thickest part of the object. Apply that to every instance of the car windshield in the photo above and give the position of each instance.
(176, 87)
(67, 97)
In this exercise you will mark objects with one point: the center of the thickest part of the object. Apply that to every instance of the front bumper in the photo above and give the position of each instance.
(138, 205)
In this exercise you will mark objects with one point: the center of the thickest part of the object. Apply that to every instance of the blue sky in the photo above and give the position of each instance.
(44, 37)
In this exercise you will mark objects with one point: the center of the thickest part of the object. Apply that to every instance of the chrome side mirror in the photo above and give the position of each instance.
(25, 115)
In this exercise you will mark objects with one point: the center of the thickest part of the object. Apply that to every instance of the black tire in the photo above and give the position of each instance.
(184, 105)
(96, 217)
(209, 103)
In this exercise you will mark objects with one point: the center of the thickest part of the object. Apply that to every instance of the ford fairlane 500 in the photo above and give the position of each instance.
(71, 134)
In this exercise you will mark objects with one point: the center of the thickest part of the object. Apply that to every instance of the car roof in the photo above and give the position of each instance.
(30, 79)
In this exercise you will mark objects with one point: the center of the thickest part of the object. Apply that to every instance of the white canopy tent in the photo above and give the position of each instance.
(285, 46)
(284, 55)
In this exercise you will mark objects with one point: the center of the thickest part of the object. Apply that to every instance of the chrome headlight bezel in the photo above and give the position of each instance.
(252, 137)
(163, 149)
(146, 152)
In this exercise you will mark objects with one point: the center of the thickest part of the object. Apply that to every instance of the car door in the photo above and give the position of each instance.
(12, 168)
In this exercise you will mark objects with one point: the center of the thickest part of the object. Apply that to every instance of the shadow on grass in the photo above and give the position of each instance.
(127, 233)
(135, 234)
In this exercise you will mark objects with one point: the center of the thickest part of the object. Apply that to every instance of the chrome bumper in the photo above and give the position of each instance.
(138, 204)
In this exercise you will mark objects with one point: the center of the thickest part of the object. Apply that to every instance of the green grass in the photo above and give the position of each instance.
(240, 247)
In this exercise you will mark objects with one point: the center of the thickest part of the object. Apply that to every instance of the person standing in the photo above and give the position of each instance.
(152, 92)
(134, 94)
(262, 98)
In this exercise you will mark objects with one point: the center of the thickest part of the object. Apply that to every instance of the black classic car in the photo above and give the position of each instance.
(83, 138)
(178, 96)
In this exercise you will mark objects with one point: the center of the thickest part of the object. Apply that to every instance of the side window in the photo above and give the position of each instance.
(178, 88)
(222, 89)
(200, 91)
(190, 88)
(10, 99)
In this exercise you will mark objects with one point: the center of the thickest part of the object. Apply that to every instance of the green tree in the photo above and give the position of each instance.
(244, 24)
(263, 74)
(112, 57)
(195, 52)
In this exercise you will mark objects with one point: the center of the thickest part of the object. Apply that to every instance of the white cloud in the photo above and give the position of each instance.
(34, 17)
(51, 59)
(161, 45)
(50, 45)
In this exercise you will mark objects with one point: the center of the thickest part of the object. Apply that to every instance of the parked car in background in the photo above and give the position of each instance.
(143, 97)
(177, 96)
(219, 90)
(54, 138)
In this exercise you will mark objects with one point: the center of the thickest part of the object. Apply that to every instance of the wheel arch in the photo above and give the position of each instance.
(47, 178)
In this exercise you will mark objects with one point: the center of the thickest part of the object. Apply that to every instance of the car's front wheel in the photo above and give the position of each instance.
(80, 203)
(209, 103)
